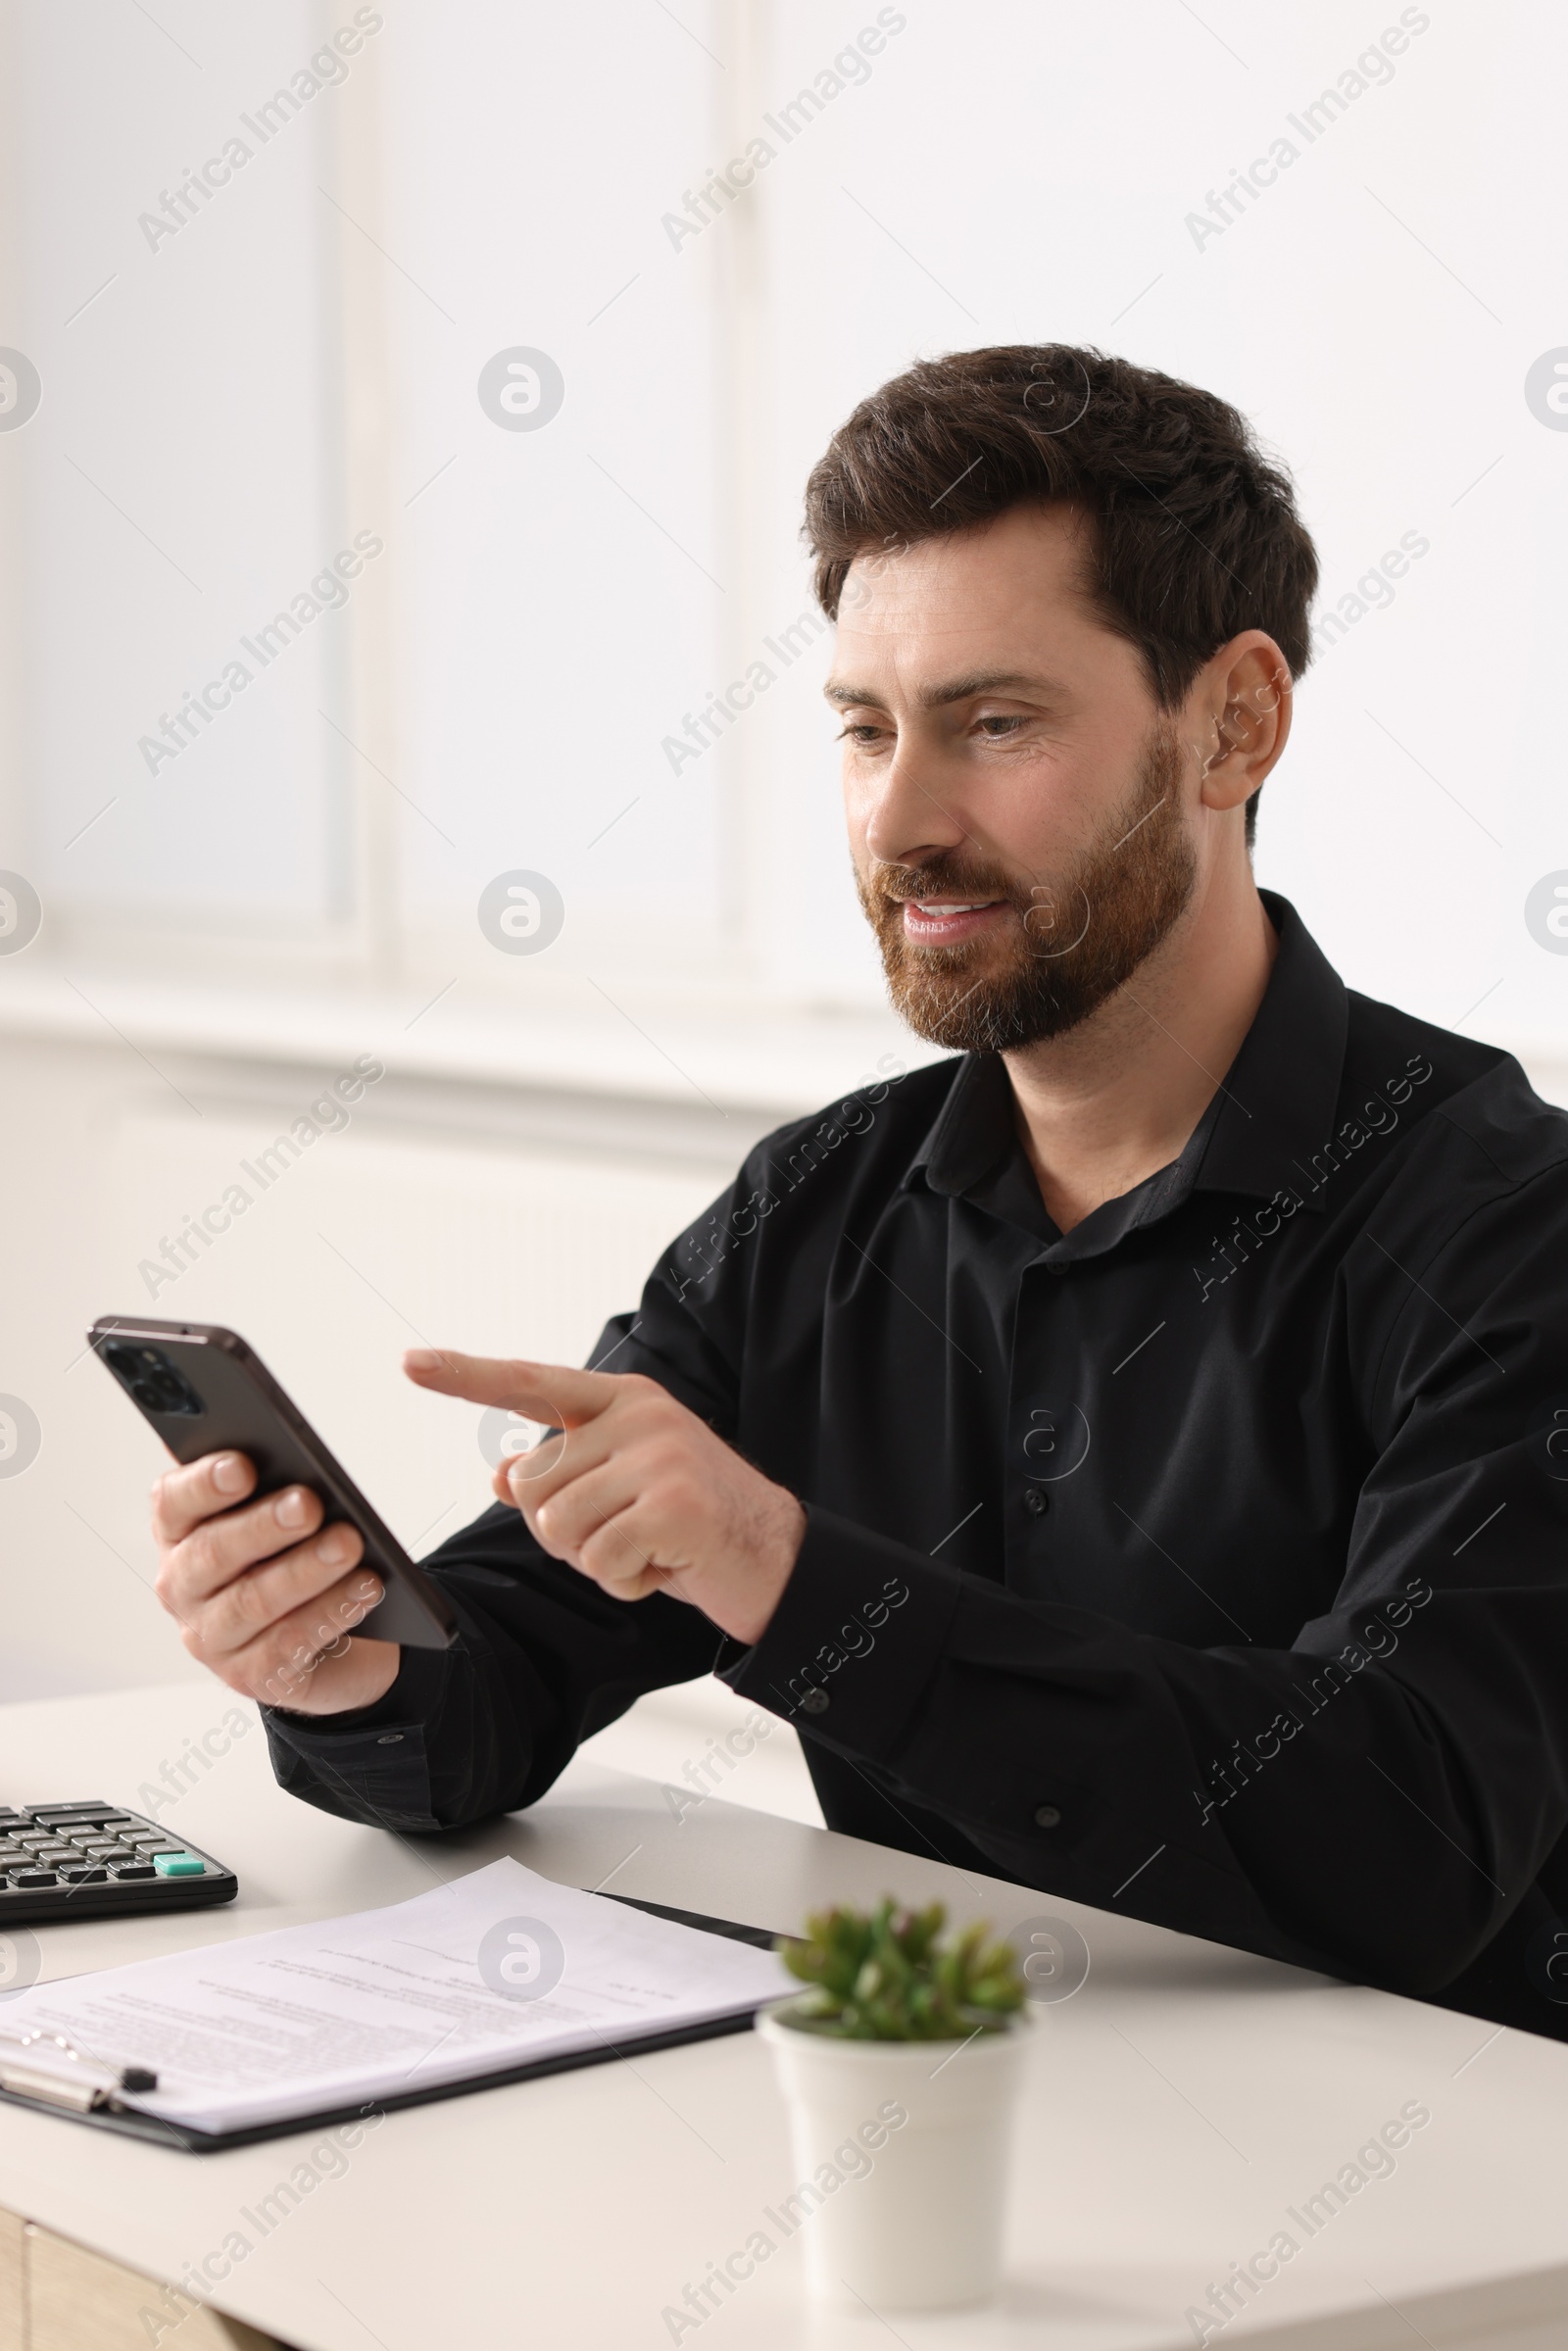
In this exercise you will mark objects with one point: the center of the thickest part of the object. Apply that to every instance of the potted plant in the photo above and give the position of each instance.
(898, 2064)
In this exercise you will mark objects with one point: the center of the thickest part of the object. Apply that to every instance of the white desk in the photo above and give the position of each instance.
(1179, 2104)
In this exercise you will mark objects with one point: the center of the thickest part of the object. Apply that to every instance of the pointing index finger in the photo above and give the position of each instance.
(554, 1393)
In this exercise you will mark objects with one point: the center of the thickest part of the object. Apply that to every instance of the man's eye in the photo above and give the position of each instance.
(860, 731)
(997, 726)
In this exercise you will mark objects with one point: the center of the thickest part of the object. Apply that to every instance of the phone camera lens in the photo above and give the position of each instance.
(152, 1380)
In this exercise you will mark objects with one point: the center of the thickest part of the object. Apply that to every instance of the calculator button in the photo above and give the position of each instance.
(33, 1877)
(177, 1865)
(82, 1873)
(134, 1869)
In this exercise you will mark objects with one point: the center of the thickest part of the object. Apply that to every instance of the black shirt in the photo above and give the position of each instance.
(1208, 1562)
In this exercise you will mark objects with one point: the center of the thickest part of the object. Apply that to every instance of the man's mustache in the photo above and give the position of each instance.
(897, 884)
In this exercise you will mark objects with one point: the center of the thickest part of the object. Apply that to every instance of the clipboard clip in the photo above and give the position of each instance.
(81, 2092)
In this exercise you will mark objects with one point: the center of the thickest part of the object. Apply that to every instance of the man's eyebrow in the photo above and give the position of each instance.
(957, 689)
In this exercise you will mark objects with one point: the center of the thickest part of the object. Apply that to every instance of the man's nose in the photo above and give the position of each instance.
(913, 816)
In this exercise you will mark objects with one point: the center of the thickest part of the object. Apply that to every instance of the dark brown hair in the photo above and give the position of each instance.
(1195, 532)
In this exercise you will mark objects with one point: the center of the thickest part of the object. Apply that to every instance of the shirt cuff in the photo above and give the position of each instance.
(411, 1696)
(855, 1640)
(371, 1762)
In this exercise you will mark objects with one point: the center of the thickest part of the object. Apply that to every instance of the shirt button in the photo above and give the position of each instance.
(814, 1702)
(1048, 1816)
(1035, 1501)
(390, 1738)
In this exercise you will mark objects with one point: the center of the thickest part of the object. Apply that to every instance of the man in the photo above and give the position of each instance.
(1130, 1452)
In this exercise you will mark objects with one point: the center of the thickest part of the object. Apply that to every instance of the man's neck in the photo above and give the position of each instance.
(1116, 1099)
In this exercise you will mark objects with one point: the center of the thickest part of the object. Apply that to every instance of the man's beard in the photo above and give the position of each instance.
(1072, 942)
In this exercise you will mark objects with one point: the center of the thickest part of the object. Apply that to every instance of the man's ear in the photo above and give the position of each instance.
(1240, 710)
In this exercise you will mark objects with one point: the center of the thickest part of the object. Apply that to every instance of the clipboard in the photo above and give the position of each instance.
(159, 2132)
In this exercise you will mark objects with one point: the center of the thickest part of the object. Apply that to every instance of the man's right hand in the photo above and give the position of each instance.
(264, 1594)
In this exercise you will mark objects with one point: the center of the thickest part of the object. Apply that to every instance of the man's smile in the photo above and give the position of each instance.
(944, 921)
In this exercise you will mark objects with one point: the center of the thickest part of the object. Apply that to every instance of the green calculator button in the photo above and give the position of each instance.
(177, 1865)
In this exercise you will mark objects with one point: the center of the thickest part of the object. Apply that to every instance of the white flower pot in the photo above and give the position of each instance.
(901, 2153)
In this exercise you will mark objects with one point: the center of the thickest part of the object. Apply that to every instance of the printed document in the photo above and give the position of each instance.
(490, 1970)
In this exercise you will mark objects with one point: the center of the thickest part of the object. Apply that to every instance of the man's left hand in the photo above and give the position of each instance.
(638, 1492)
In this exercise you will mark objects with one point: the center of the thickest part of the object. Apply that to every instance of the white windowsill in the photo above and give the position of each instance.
(765, 1058)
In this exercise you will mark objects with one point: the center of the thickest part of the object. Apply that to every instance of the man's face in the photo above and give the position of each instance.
(1019, 807)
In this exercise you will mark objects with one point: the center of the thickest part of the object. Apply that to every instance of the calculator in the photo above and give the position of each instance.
(94, 1860)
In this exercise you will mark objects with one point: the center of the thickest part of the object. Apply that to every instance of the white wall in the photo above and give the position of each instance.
(502, 1219)
(399, 1229)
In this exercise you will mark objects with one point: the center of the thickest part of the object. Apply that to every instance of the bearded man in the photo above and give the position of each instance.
(1128, 1449)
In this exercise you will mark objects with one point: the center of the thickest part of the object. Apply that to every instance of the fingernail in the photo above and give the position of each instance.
(289, 1508)
(333, 1546)
(228, 1472)
(422, 1358)
(370, 1591)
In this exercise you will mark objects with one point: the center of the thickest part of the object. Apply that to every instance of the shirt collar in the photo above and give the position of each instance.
(1269, 1114)
(1277, 1104)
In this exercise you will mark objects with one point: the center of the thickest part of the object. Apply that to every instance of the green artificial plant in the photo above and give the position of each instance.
(892, 1976)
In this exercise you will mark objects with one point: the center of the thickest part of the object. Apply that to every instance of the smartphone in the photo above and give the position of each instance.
(204, 1391)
